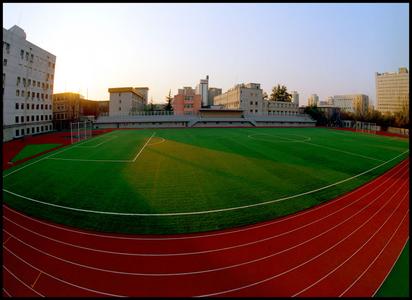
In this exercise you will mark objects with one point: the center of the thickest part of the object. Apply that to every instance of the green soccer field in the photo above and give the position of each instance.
(189, 180)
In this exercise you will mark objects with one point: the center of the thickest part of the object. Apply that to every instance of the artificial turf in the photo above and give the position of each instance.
(31, 150)
(397, 283)
(196, 170)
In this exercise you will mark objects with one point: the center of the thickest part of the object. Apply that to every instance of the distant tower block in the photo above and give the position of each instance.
(202, 90)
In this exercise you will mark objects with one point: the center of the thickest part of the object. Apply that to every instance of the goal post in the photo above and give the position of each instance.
(367, 127)
(81, 130)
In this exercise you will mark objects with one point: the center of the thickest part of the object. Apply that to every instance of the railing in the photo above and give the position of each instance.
(151, 113)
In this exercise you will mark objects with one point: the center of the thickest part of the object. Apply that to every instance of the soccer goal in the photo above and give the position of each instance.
(366, 127)
(80, 131)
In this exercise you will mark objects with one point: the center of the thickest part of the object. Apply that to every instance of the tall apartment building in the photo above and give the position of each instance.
(247, 97)
(202, 89)
(28, 77)
(212, 93)
(125, 101)
(349, 103)
(295, 97)
(392, 91)
(186, 102)
(313, 100)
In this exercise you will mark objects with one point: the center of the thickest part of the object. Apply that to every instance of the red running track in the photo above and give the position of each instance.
(345, 247)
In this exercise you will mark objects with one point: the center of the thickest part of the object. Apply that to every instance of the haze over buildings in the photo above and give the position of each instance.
(328, 49)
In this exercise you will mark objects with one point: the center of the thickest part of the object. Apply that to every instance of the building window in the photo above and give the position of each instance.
(32, 118)
(31, 58)
(42, 128)
(17, 119)
(32, 130)
(37, 129)
(32, 106)
(47, 96)
(37, 118)
(27, 56)
(4, 62)
(29, 82)
(33, 94)
(120, 108)
(17, 93)
(22, 119)
(41, 106)
(256, 103)
(38, 83)
(38, 95)
(27, 130)
(18, 80)
(50, 117)
(22, 93)
(41, 117)
(37, 106)
(22, 54)
(17, 106)
(28, 106)
(17, 132)
(27, 118)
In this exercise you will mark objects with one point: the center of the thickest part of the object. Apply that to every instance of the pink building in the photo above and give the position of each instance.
(186, 102)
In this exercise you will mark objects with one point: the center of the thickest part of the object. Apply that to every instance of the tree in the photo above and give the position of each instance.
(280, 93)
(168, 106)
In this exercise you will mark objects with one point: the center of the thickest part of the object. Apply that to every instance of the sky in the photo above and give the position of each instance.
(327, 49)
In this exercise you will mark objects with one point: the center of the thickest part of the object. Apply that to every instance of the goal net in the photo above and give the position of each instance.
(80, 131)
(365, 127)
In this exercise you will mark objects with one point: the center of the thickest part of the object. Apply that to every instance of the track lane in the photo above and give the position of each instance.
(169, 285)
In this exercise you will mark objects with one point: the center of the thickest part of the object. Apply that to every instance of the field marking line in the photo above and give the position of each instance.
(205, 211)
(38, 276)
(205, 251)
(7, 240)
(95, 146)
(306, 262)
(91, 160)
(137, 155)
(279, 136)
(353, 254)
(206, 235)
(7, 293)
(11, 273)
(379, 254)
(390, 271)
(67, 147)
(61, 280)
(347, 152)
(221, 268)
(155, 143)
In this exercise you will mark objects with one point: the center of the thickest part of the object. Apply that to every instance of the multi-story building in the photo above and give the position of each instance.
(350, 103)
(202, 89)
(313, 100)
(295, 97)
(392, 91)
(28, 77)
(186, 102)
(71, 107)
(126, 100)
(247, 97)
(280, 108)
(212, 93)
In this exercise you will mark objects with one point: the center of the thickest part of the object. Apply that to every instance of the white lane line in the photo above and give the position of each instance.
(212, 250)
(12, 274)
(221, 268)
(302, 264)
(353, 254)
(61, 280)
(390, 270)
(342, 151)
(6, 292)
(206, 235)
(198, 212)
(379, 254)
(137, 155)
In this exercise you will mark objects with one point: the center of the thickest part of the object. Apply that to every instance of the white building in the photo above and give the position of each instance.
(282, 108)
(125, 101)
(202, 90)
(392, 91)
(349, 103)
(28, 77)
(295, 97)
(247, 97)
(313, 100)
